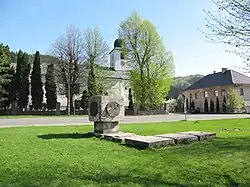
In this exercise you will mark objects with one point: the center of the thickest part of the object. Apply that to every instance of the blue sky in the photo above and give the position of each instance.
(33, 25)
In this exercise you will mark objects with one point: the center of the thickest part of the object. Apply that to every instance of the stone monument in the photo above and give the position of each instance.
(106, 112)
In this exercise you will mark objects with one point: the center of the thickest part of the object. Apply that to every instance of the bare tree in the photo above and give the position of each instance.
(230, 24)
(69, 49)
(95, 46)
(96, 51)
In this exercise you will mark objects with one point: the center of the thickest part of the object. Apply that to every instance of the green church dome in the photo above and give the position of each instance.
(118, 43)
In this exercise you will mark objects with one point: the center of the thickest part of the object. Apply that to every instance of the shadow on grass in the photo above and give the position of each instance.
(78, 177)
(65, 136)
(216, 147)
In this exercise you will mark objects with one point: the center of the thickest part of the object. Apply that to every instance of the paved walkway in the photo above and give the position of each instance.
(55, 121)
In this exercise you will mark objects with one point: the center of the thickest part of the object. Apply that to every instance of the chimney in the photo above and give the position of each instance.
(223, 70)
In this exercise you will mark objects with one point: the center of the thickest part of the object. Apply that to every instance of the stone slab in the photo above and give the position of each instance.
(148, 141)
(118, 137)
(179, 138)
(201, 135)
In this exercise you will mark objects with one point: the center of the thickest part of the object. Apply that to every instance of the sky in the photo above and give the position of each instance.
(32, 25)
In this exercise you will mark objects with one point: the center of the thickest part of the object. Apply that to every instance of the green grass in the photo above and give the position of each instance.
(38, 116)
(67, 159)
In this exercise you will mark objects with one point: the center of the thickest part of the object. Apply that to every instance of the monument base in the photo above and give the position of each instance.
(106, 127)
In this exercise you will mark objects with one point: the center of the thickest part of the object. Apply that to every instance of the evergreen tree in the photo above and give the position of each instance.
(92, 86)
(224, 105)
(25, 91)
(17, 77)
(187, 107)
(217, 105)
(6, 74)
(211, 106)
(84, 100)
(193, 105)
(21, 81)
(206, 106)
(130, 98)
(50, 87)
(36, 83)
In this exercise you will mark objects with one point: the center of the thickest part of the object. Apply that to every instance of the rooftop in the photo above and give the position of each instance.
(225, 77)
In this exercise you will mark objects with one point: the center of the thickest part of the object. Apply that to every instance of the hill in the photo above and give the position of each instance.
(181, 83)
(45, 59)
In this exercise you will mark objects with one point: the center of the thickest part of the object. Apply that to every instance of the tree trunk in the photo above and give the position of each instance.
(142, 89)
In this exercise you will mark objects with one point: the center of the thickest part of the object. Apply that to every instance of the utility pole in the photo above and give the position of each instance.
(69, 85)
(185, 107)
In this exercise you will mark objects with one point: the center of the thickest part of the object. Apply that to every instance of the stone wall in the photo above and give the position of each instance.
(42, 113)
(136, 112)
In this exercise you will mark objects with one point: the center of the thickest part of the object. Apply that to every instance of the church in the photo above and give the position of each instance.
(116, 81)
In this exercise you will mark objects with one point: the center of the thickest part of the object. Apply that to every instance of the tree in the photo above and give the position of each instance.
(211, 106)
(68, 48)
(92, 86)
(152, 65)
(236, 102)
(192, 106)
(6, 74)
(180, 104)
(21, 80)
(187, 107)
(94, 46)
(85, 100)
(36, 83)
(224, 105)
(206, 106)
(230, 25)
(50, 87)
(130, 98)
(96, 51)
(217, 105)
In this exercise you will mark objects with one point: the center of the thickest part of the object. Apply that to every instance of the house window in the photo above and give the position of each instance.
(205, 94)
(223, 92)
(196, 95)
(190, 96)
(216, 93)
(241, 91)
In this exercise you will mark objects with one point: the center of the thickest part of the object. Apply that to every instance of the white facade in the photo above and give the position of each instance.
(116, 62)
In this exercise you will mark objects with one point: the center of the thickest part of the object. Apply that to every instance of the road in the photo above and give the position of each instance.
(55, 121)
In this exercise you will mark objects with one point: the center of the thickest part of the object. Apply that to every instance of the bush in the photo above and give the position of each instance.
(85, 100)
(235, 101)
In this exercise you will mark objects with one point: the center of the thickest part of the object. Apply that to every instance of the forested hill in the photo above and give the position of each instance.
(44, 58)
(181, 83)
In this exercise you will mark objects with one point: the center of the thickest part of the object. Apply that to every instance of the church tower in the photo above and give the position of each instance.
(117, 61)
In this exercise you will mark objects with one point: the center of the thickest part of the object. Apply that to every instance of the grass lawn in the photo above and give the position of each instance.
(38, 116)
(67, 159)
